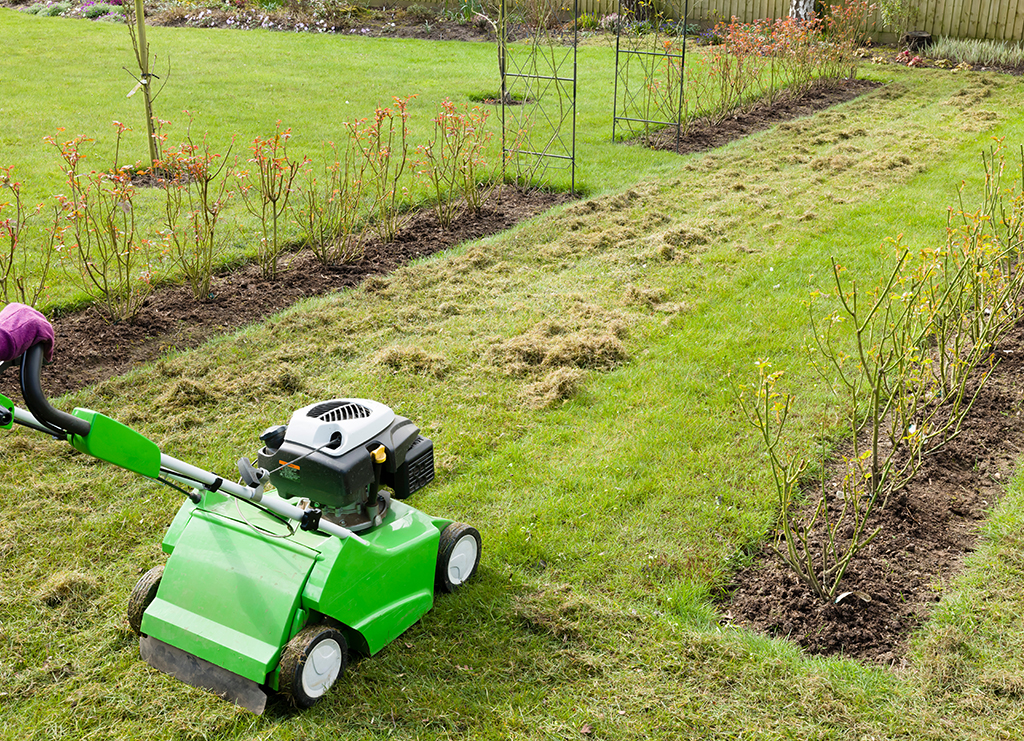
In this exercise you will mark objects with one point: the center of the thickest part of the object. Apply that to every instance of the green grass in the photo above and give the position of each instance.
(611, 518)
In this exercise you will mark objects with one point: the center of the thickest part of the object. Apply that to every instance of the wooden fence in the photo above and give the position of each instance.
(1000, 20)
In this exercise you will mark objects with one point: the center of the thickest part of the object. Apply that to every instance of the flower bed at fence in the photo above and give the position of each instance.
(315, 16)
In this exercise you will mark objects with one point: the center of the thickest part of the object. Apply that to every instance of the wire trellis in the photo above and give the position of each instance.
(538, 94)
(650, 62)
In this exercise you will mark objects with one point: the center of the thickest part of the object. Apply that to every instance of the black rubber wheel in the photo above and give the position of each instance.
(310, 663)
(142, 596)
(458, 555)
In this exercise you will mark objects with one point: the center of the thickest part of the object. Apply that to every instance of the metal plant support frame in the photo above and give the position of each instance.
(538, 96)
(643, 50)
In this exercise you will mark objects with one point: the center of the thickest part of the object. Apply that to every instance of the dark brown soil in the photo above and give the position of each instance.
(925, 532)
(703, 134)
(89, 349)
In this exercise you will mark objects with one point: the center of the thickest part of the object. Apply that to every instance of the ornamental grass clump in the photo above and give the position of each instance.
(979, 52)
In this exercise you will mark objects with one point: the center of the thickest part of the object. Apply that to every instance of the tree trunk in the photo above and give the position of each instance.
(802, 10)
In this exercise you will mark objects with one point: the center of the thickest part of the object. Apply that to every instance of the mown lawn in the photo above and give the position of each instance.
(574, 376)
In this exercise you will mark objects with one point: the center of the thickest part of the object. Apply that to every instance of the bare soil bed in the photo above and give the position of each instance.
(394, 23)
(89, 349)
(925, 532)
(704, 134)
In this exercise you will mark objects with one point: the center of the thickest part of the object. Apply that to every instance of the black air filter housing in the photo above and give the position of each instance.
(415, 472)
(329, 481)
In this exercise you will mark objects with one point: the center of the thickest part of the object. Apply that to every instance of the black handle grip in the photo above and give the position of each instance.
(35, 399)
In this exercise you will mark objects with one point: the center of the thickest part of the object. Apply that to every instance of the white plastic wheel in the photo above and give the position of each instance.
(322, 667)
(463, 559)
(310, 663)
(458, 556)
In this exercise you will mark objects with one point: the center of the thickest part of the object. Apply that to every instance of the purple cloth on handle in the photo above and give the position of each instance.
(21, 327)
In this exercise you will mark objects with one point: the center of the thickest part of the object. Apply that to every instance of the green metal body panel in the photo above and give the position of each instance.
(239, 583)
(228, 595)
(9, 406)
(378, 591)
(177, 526)
(111, 441)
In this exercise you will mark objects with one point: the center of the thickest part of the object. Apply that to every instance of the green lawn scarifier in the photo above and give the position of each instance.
(248, 603)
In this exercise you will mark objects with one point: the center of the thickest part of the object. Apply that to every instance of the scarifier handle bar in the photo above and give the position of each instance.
(190, 475)
(64, 425)
(32, 389)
